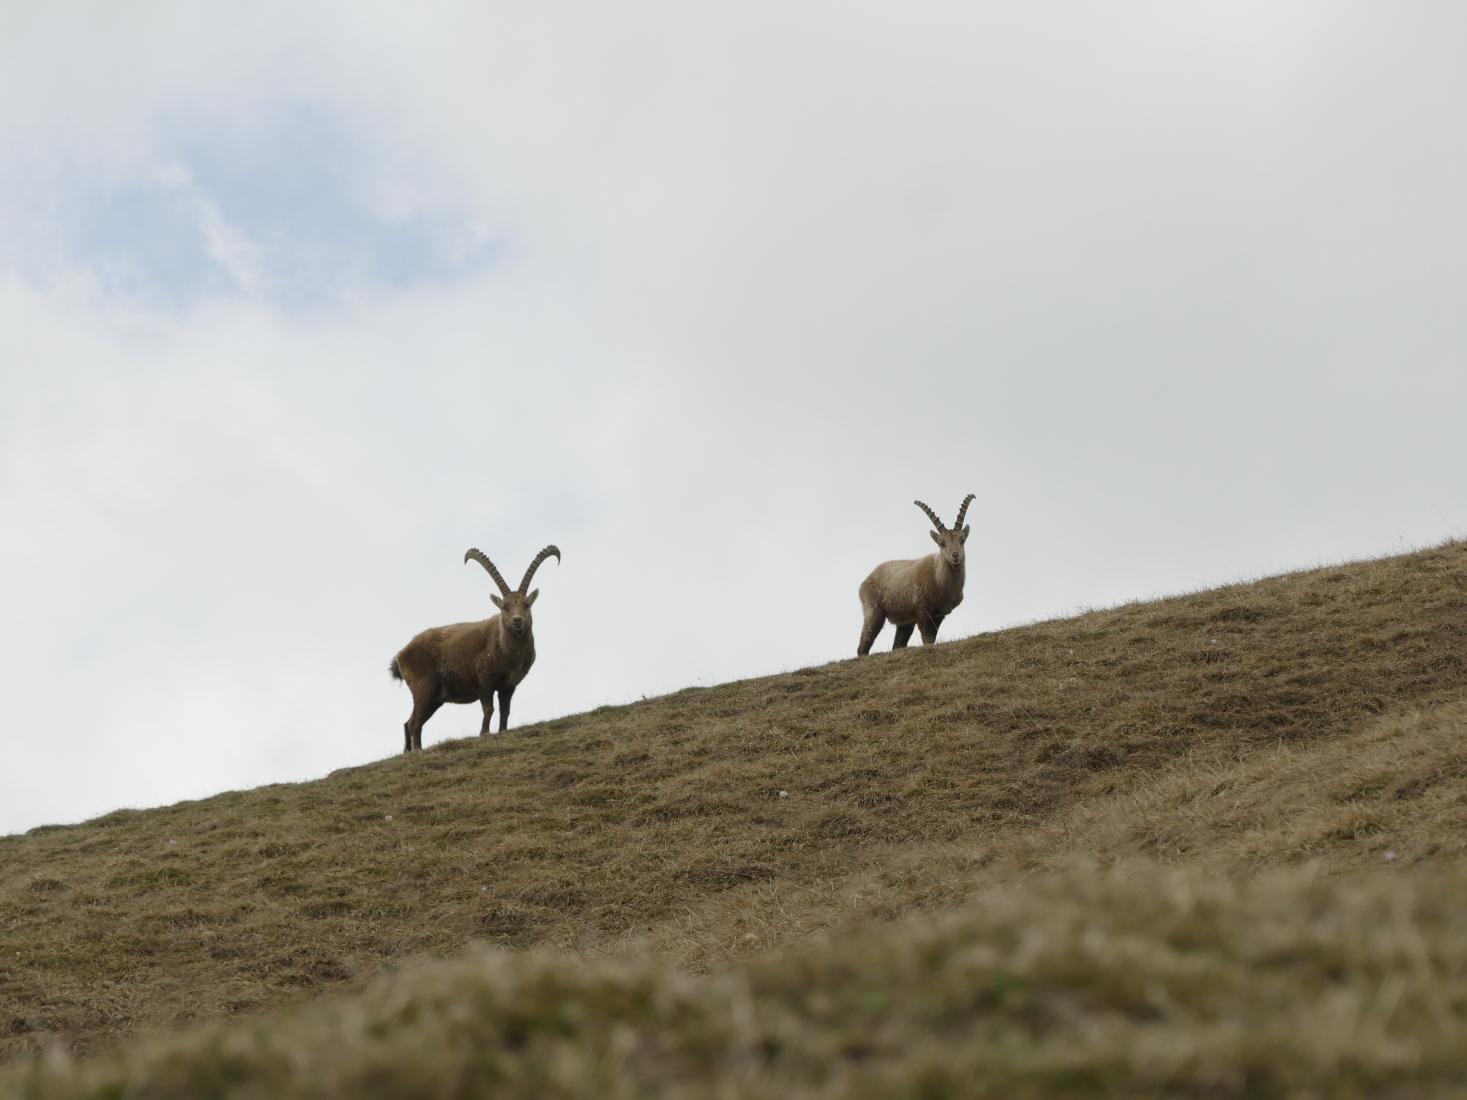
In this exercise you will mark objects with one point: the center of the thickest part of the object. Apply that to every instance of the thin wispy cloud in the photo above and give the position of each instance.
(288, 208)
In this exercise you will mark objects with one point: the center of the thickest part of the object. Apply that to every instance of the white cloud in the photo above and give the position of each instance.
(239, 257)
(1174, 290)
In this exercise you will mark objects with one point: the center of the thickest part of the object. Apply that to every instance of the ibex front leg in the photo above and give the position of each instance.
(487, 700)
(505, 695)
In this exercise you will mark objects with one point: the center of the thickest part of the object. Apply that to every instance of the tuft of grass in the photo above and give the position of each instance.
(1137, 981)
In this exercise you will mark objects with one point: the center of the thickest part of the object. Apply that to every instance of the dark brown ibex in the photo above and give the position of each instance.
(466, 662)
(919, 593)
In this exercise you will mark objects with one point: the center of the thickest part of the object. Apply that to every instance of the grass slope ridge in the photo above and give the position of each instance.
(658, 829)
(1140, 981)
(1389, 796)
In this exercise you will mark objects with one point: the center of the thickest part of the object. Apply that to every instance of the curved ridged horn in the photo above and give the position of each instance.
(534, 565)
(963, 511)
(479, 556)
(930, 515)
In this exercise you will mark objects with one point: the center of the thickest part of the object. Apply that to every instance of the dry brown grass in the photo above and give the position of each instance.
(1206, 729)
(1140, 981)
(1389, 796)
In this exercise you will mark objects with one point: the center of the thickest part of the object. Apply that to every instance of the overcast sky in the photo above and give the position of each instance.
(299, 301)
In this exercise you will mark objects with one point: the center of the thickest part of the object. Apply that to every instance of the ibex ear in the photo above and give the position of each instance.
(935, 538)
(966, 529)
(497, 601)
(530, 599)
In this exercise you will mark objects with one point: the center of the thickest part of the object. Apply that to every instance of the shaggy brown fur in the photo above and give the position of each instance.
(466, 662)
(921, 592)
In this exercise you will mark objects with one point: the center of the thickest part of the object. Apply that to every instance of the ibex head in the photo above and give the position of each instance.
(514, 606)
(949, 540)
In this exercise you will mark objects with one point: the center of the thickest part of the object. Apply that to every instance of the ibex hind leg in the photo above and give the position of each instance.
(875, 620)
(423, 709)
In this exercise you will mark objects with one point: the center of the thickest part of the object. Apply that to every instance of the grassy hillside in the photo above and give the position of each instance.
(1132, 983)
(1312, 723)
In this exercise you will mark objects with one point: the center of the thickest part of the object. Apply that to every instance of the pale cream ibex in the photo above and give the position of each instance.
(919, 593)
(469, 662)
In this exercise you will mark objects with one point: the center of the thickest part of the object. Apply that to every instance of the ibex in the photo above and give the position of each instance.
(471, 661)
(919, 593)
